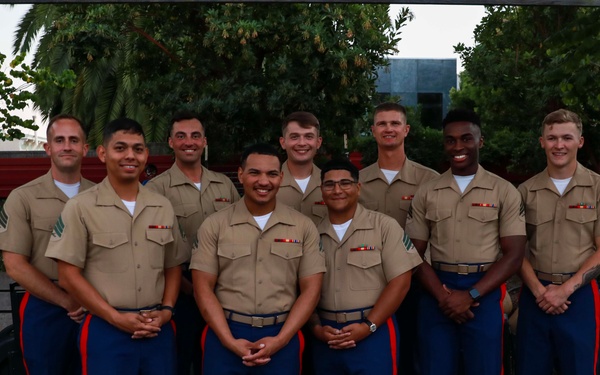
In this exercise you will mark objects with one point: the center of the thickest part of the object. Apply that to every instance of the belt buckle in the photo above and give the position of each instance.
(341, 317)
(557, 278)
(463, 269)
(257, 321)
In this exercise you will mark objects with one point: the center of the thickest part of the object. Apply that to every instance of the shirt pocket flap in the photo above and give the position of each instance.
(538, 217)
(45, 224)
(185, 209)
(109, 240)
(364, 259)
(438, 215)
(160, 236)
(581, 215)
(483, 214)
(373, 205)
(234, 251)
(218, 206)
(286, 250)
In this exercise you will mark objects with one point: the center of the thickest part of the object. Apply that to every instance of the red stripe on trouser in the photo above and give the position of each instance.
(83, 341)
(594, 285)
(174, 327)
(22, 318)
(301, 352)
(393, 345)
(203, 342)
(502, 296)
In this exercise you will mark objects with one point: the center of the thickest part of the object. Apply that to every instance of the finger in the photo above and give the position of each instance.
(448, 290)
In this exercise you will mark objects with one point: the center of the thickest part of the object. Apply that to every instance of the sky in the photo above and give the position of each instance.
(432, 33)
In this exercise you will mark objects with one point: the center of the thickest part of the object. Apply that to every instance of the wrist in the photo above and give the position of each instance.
(168, 308)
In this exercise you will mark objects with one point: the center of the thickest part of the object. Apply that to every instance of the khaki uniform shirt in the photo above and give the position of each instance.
(467, 227)
(310, 203)
(257, 271)
(27, 219)
(561, 229)
(392, 199)
(123, 257)
(374, 250)
(191, 205)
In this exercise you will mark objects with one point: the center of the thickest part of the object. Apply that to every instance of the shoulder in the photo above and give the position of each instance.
(422, 171)
(217, 176)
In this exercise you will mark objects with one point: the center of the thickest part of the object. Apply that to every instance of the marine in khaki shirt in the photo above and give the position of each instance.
(119, 249)
(558, 309)
(300, 187)
(26, 222)
(474, 224)
(257, 273)
(369, 261)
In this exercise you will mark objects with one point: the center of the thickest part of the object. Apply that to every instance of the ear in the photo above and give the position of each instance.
(407, 129)
(170, 140)
(101, 152)
(240, 172)
(481, 141)
(319, 142)
(282, 142)
(47, 148)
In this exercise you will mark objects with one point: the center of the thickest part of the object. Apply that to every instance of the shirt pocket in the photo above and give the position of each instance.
(539, 226)
(440, 225)
(482, 226)
(157, 240)
(372, 205)
(110, 259)
(185, 210)
(220, 205)
(581, 227)
(364, 271)
(285, 262)
(319, 210)
(233, 259)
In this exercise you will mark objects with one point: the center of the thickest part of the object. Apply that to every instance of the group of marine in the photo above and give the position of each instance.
(393, 269)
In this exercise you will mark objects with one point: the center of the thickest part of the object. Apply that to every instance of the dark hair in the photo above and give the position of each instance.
(304, 119)
(260, 149)
(151, 170)
(389, 106)
(460, 115)
(184, 115)
(64, 116)
(126, 124)
(340, 164)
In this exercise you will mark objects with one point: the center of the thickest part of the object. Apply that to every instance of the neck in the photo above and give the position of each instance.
(192, 171)
(561, 173)
(127, 191)
(300, 171)
(391, 159)
(340, 217)
(66, 177)
(259, 210)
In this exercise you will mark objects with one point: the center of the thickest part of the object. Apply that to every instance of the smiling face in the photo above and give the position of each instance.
(340, 202)
(300, 143)
(462, 141)
(390, 129)
(125, 155)
(187, 141)
(66, 145)
(561, 142)
(261, 176)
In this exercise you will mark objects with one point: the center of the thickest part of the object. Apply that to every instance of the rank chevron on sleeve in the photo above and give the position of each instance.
(3, 219)
(59, 227)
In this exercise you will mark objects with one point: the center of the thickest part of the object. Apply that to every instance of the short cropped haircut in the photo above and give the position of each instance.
(64, 116)
(340, 164)
(562, 116)
(260, 149)
(184, 115)
(389, 106)
(461, 115)
(125, 124)
(304, 119)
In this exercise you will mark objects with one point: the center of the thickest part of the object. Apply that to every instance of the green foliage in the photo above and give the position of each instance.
(527, 62)
(14, 97)
(242, 66)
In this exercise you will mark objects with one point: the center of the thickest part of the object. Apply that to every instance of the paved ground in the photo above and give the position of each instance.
(5, 318)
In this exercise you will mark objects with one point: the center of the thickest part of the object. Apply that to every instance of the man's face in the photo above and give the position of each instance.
(187, 141)
(462, 141)
(389, 129)
(66, 145)
(340, 199)
(300, 144)
(261, 177)
(125, 156)
(561, 142)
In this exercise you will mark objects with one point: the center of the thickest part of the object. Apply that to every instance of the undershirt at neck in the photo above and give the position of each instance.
(70, 190)
(262, 220)
(389, 174)
(130, 205)
(340, 229)
(561, 184)
(303, 183)
(463, 181)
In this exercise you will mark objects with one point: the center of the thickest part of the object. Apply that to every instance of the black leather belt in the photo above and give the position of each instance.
(344, 317)
(256, 321)
(461, 269)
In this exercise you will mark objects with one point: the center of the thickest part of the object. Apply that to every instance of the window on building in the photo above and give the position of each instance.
(432, 111)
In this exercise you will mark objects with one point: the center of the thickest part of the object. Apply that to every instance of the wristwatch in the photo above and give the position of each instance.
(474, 293)
(170, 308)
(372, 326)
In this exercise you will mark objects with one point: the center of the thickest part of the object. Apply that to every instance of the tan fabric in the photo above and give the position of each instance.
(27, 219)
(393, 199)
(257, 272)
(356, 278)
(192, 206)
(561, 229)
(123, 257)
(310, 203)
(466, 228)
